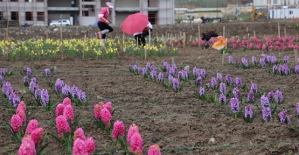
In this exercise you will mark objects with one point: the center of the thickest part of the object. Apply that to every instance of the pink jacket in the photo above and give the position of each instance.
(103, 13)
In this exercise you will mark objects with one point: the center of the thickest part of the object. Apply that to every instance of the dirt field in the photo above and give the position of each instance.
(179, 123)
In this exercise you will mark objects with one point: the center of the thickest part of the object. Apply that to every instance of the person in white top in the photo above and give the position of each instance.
(140, 36)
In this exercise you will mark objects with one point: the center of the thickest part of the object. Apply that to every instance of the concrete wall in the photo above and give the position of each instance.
(166, 12)
(59, 3)
(86, 21)
(121, 16)
(126, 3)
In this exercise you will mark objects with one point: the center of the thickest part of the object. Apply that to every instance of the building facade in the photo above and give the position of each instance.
(275, 3)
(84, 12)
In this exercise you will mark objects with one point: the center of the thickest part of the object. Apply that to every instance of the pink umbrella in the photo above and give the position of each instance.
(134, 23)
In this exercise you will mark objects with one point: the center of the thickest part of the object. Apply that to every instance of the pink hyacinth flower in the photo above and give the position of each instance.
(79, 133)
(106, 116)
(27, 147)
(136, 144)
(154, 150)
(16, 122)
(22, 114)
(79, 147)
(97, 111)
(66, 101)
(118, 129)
(62, 125)
(90, 145)
(68, 113)
(37, 135)
(21, 106)
(132, 129)
(59, 109)
(108, 105)
(32, 125)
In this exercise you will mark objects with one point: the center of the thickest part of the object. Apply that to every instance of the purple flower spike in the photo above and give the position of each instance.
(265, 101)
(25, 79)
(245, 62)
(199, 80)
(160, 77)
(237, 93)
(37, 93)
(266, 113)
(201, 91)
(66, 89)
(82, 96)
(175, 83)
(250, 96)
(203, 73)
(284, 117)
(222, 98)
(253, 87)
(273, 59)
(278, 96)
(228, 79)
(297, 68)
(28, 71)
(230, 59)
(1, 78)
(47, 72)
(144, 71)
(253, 60)
(44, 97)
(262, 62)
(58, 85)
(219, 77)
(222, 88)
(74, 91)
(213, 82)
(286, 59)
(234, 104)
(153, 74)
(238, 82)
(248, 112)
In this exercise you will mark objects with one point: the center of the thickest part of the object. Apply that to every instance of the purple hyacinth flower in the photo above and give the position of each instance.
(74, 91)
(170, 77)
(148, 65)
(25, 79)
(199, 80)
(297, 68)
(250, 96)
(160, 77)
(286, 59)
(33, 79)
(253, 87)
(222, 98)
(208, 85)
(139, 70)
(248, 112)
(135, 67)
(230, 59)
(270, 95)
(153, 74)
(37, 93)
(144, 71)
(180, 75)
(219, 77)
(273, 59)
(228, 79)
(44, 95)
(238, 82)
(213, 82)
(3, 71)
(237, 93)
(28, 71)
(253, 60)
(1, 78)
(195, 71)
(58, 85)
(203, 73)
(14, 99)
(297, 108)
(47, 72)
(201, 91)
(245, 62)
(266, 113)
(32, 86)
(222, 88)
(278, 96)
(82, 96)
(265, 101)
(171, 71)
(274, 68)
(175, 83)
(262, 62)
(284, 117)
(235, 105)
(65, 90)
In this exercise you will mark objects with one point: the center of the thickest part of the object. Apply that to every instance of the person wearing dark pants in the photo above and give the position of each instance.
(103, 22)
(140, 36)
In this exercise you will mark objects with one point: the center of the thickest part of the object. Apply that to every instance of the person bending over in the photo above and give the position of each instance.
(103, 22)
(206, 36)
(140, 36)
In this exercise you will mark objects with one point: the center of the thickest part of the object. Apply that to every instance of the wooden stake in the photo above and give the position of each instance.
(285, 32)
(296, 56)
(223, 51)
(7, 29)
(84, 43)
(247, 29)
(223, 31)
(149, 37)
(123, 42)
(199, 35)
(61, 36)
(184, 41)
(278, 27)
(254, 34)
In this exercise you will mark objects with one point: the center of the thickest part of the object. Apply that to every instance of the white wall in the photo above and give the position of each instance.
(284, 13)
(166, 12)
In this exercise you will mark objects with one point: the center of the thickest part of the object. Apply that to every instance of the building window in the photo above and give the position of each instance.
(274, 1)
(291, 12)
(14, 16)
(85, 13)
(256, 1)
(40, 16)
(28, 0)
(289, 2)
(39, 0)
(1, 15)
(262, 2)
(28, 16)
(13, 0)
